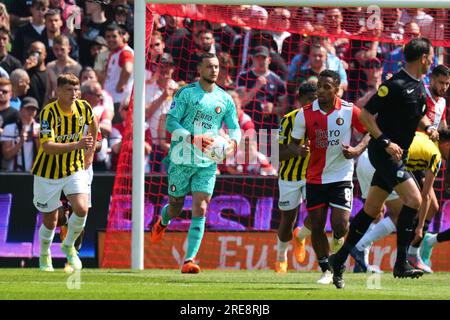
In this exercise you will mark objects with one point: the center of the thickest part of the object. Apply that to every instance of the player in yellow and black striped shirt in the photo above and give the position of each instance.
(424, 160)
(291, 183)
(294, 168)
(59, 127)
(59, 167)
(423, 154)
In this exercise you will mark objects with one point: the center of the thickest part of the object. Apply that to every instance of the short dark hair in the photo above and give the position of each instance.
(52, 12)
(415, 48)
(40, 3)
(5, 30)
(204, 30)
(444, 134)
(331, 74)
(441, 70)
(305, 88)
(317, 46)
(115, 27)
(206, 56)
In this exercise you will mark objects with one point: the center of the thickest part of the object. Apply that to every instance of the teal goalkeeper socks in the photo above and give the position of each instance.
(165, 219)
(195, 236)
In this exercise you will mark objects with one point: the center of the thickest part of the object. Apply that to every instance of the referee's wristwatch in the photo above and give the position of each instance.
(383, 141)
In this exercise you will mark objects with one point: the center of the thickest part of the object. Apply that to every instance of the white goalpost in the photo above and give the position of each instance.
(138, 172)
(137, 232)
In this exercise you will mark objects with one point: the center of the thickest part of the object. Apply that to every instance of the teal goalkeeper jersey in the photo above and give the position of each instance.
(195, 111)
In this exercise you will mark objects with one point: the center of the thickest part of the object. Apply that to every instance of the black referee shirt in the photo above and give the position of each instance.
(400, 104)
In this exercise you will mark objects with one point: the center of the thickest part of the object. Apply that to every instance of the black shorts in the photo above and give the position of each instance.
(419, 176)
(336, 194)
(388, 172)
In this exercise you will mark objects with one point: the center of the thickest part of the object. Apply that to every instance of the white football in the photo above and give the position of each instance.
(218, 150)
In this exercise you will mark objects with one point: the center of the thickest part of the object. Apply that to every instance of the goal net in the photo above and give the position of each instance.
(364, 45)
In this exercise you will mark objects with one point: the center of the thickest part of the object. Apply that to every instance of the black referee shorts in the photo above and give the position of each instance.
(388, 172)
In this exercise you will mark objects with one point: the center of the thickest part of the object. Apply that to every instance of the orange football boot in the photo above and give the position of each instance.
(157, 231)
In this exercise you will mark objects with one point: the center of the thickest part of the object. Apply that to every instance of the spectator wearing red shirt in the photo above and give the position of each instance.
(119, 68)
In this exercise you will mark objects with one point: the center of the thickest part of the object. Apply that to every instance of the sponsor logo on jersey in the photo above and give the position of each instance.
(284, 203)
(203, 120)
(327, 138)
(68, 137)
(339, 121)
(45, 125)
(41, 205)
(383, 91)
(45, 128)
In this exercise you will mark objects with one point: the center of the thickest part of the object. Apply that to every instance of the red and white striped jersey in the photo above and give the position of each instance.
(326, 133)
(436, 110)
(245, 122)
(116, 61)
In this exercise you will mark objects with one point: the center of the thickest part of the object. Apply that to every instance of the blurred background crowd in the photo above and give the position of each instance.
(270, 58)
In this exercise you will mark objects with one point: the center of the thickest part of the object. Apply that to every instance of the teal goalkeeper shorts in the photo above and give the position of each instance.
(184, 179)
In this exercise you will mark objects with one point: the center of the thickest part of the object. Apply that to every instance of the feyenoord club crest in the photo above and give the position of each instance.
(339, 121)
(218, 110)
(173, 188)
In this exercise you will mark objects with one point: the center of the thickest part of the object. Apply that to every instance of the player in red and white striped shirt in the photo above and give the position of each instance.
(328, 124)
(436, 104)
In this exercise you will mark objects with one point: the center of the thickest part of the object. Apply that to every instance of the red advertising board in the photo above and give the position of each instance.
(241, 250)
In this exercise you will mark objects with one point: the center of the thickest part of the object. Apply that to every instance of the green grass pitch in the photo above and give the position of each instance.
(212, 284)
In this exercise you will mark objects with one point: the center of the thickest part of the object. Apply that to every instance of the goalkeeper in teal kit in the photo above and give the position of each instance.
(195, 118)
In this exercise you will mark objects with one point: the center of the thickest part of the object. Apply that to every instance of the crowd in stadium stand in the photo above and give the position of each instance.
(261, 69)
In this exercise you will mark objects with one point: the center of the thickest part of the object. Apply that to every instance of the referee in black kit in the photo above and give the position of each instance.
(392, 116)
